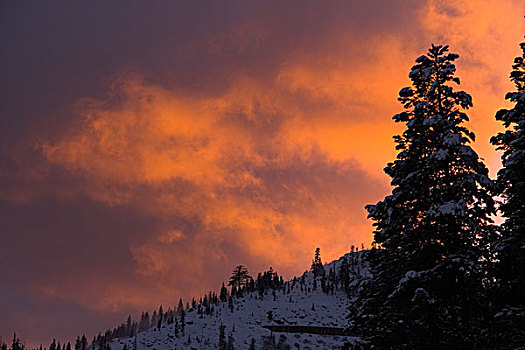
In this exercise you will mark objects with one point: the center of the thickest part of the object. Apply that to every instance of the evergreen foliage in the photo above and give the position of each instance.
(182, 321)
(317, 265)
(509, 247)
(239, 277)
(435, 227)
(223, 293)
(16, 345)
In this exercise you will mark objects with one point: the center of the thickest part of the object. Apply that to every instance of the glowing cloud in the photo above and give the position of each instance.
(250, 134)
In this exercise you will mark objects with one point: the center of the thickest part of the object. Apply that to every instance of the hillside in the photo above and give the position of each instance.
(299, 302)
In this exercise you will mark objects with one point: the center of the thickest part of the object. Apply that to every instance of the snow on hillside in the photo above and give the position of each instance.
(298, 303)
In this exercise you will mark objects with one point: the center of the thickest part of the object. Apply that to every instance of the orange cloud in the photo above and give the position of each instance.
(486, 36)
(240, 165)
(267, 168)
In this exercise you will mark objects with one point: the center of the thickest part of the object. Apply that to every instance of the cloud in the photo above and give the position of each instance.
(230, 166)
(486, 36)
(203, 135)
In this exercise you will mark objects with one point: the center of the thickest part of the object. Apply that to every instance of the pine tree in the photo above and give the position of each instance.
(224, 293)
(153, 321)
(129, 330)
(144, 324)
(344, 275)
(83, 343)
(426, 290)
(509, 247)
(16, 343)
(182, 320)
(317, 265)
(180, 306)
(239, 277)
(160, 318)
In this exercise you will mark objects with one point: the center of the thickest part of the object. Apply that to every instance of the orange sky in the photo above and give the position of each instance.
(251, 141)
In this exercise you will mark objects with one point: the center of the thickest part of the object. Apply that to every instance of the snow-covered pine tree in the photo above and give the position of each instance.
(435, 227)
(509, 247)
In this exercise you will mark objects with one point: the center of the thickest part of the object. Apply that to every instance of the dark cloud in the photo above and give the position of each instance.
(50, 248)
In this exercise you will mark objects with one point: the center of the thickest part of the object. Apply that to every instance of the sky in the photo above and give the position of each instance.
(149, 147)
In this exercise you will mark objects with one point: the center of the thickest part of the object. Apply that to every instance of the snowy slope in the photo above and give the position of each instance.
(302, 306)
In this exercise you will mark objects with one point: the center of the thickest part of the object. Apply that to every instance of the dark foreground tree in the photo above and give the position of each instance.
(426, 291)
(509, 247)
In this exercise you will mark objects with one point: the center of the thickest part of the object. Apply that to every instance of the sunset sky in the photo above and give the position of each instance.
(148, 147)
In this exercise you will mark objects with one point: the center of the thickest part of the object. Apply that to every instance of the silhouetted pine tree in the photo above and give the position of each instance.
(153, 321)
(509, 247)
(83, 343)
(317, 265)
(239, 277)
(426, 291)
(16, 345)
(224, 293)
(144, 322)
(180, 306)
(160, 317)
(182, 321)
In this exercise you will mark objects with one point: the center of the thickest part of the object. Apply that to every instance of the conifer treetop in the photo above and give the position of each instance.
(511, 176)
(435, 226)
(438, 178)
(509, 247)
